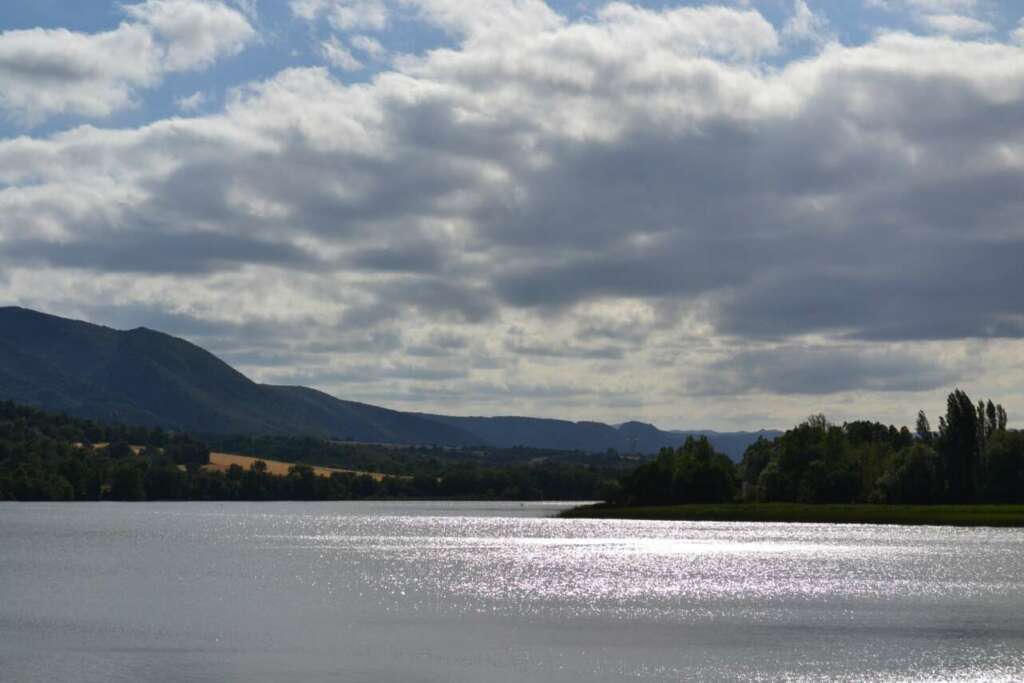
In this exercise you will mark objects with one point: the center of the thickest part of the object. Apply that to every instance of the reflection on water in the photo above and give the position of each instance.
(494, 592)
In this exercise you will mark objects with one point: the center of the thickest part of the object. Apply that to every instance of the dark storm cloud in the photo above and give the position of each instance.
(412, 257)
(369, 374)
(944, 289)
(439, 344)
(158, 317)
(542, 350)
(439, 296)
(624, 189)
(820, 370)
(184, 253)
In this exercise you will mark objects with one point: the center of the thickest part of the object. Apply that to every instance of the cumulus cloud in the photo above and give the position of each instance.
(191, 103)
(44, 72)
(336, 54)
(370, 46)
(193, 33)
(344, 14)
(806, 25)
(956, 24)
(965, 18)
(811, 370)
(645, 197)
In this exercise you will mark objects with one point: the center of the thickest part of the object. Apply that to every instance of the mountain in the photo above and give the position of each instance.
(150, 378)
(146, 377)
(628, 437)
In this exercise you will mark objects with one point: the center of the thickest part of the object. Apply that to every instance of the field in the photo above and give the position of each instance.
(937, 515)
(222, 461)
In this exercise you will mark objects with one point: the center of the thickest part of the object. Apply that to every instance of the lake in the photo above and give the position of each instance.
(487, 592)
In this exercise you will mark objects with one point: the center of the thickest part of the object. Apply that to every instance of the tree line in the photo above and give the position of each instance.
(971, 458)
(45, 456)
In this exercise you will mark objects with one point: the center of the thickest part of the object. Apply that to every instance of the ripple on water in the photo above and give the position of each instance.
(459, 592)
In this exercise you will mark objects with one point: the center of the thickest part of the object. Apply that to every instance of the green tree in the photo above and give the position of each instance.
(1004, 468)
(914, 477)
(958, 447)
(924, 428)
(127, 482)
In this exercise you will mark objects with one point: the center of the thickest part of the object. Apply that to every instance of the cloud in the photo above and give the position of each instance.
(815, 370)
(805, 25)
(338, 55)
(956, 24)
(192, 103)
(344, 15)
(636, 194)
(370, 46)
(178, 253)
(44, 72)
(193, 33)
(965, 18)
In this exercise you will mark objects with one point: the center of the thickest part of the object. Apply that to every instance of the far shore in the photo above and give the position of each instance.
(933, 515)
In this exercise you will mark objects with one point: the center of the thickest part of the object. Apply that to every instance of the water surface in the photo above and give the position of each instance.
(482, 593)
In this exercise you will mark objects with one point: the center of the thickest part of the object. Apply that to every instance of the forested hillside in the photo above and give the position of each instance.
(46, 456)
(145, 377)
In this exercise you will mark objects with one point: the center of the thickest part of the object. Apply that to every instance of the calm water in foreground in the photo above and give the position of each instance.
(494, 592)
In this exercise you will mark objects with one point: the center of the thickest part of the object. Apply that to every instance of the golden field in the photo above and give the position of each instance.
(222, 461)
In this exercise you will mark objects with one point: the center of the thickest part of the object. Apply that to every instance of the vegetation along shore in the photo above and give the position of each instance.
(822, 513)
(970, 472)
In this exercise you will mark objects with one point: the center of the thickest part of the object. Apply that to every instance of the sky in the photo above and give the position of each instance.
(706, 215)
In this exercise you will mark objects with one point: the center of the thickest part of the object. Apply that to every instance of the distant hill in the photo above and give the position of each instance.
(629, 437)
(146, 377)
(150, 378)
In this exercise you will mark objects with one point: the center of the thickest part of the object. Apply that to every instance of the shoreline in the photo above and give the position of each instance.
(1003, 516)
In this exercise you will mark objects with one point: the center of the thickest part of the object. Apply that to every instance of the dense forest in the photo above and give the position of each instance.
(971, 458)
(47, 456)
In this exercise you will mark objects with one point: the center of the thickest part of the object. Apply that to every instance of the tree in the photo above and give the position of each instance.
(958, 446)
(127, 482)
(183, 450)
(119, 450)
(1004, 468)
(914, 477)
(924, 428)
(700, 475)
(755, 460)
(694, 473)
(164, 481)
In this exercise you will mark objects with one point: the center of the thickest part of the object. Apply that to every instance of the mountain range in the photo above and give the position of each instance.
(146, 377)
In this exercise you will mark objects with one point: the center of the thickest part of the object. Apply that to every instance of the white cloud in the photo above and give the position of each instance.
(248, 8)
(1018, 33)
(966, 18)
(370, 46)
(806, 25)
(53, 71)
(192, 103)
(345, 15)
(602, 212)
(335, 52)
(956, 24)
(194, 33)
(50, 71)
(489, 17)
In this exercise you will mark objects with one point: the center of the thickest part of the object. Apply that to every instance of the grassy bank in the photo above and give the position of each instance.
(941, 515)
